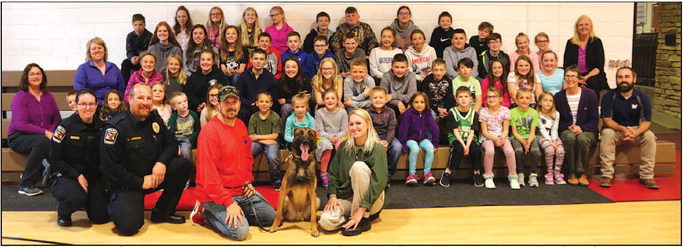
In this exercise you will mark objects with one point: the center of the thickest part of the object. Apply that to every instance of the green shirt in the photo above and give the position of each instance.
(523, 121)
(462, 122)
(472, 83)
(340, 181)
(270, 125)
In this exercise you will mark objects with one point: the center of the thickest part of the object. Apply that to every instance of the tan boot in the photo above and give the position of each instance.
(649, 183)
(583, 180)
(605, 182)
(573, 180)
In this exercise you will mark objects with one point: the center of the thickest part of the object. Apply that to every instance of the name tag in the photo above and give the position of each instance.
(135, 138)
(634, 106)
(75, 137)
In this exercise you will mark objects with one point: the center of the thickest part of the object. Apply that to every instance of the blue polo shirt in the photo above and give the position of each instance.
(626, 112)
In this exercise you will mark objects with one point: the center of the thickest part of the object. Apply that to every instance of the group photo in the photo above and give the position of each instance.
(306, 123)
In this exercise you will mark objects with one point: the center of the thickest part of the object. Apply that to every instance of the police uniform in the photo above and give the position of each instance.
(129, 150)
(74, 152)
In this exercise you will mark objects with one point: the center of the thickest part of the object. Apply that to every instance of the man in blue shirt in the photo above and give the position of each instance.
(627, 116)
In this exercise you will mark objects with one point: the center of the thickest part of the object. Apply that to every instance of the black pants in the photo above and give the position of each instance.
(126, 67)
(457, 154)
(72, 197)
(597, 83)
(126, 205)
(36, 146)
(246, 112)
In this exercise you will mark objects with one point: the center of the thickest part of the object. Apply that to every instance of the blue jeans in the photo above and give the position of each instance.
(272, 156)
(215, 215)
(414, 147)
(185, 146)
(393, 154)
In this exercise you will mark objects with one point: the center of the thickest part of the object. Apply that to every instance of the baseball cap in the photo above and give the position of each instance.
(227, 91)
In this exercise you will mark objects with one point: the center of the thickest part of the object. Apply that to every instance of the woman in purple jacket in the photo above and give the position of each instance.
(97, 73)
(578, 127)
(34, 116)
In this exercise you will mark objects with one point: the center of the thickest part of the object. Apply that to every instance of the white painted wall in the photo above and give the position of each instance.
(54, 34)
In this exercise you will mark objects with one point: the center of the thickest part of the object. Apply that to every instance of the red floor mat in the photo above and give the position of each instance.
(187, 200)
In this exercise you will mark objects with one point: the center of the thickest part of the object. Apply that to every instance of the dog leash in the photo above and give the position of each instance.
(253, 209)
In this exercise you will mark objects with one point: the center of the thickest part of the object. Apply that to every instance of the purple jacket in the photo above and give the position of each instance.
(43, 115)
(89, 76)
(417, 127)
(587, 115)
(137, 77)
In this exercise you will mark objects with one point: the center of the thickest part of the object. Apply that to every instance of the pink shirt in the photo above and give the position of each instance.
(494, 123)
(278, 38)
(534, 60)
(498, 84)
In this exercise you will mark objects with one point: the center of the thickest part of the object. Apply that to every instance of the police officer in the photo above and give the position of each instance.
(75, 157)
(139, 156)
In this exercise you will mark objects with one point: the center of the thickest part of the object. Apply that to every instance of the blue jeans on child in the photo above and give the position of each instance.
(215, 215)
(414, 147)
(185, 146)
(393, 154)
(272, 156)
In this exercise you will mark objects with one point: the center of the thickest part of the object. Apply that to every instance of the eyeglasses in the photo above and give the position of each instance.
(214, 14)
(327, 69)
(542, 41)
(91, 105)
(570, 76)
(404, 13)
(213, 95)
(273, 15)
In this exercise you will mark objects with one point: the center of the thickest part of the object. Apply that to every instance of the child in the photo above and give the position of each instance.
(264, 128)
(543, 43)
(522, 43)
(182, 26)
(280, 29)
(71, 99)
(420, 55)
(163, 45)
(465, 69)
(184, 124)
(211, 108)
(215, 25)
(160, 102)
(480, 42)
(439, 89)
(549, 120)
(234, 57)
(463, 126)
(404, 27)
(419, 130)
(453, 54)
(136, 41)
(292, 82)
(112, 105)
(493, 53)
(524, 121)
(327, 78)
(496, 79)
(175, 75)
(348, 53)
(273, 62)
(313, 59)
(441, 36)
(250, 29)
(322, 27)
(147, 74)
(294, 45)
(495, 123)
(523, 76)
(381, 57)
(357, 85)
(300, 119)
(384, 121)
(331, 123)
(399, 83)
(199, 43)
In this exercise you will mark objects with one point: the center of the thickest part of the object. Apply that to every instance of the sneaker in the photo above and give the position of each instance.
(489, 184)
(533, 180)
(429, 179)
(514, 181)
(520, 179)
(559, 178)
(549, 180)
(573, 180)
(605, 182)
(445, 179)
(478, 180)
(412, 179)
(325, 178)
(649, 183)
(583, 180)
(197, 215)
(30, 191)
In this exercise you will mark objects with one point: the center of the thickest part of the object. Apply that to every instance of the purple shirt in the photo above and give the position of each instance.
(582, 60)
(89, 76)
(43, 115)
(278, 38)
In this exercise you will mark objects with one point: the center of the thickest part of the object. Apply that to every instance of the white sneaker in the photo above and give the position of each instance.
(489, 184)
(533, 180)
(520, 179)
(514, 183)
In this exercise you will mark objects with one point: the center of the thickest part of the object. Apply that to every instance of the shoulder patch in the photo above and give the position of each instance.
(59, 134)
(110, 136)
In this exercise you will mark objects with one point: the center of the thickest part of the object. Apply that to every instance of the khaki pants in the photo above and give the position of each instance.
(648, 148)
(360, 182)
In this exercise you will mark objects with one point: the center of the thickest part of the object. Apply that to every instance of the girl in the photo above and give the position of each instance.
(542, 42)
(524, 77)
(211, 108)
(147, 74)
(497, 78)
(300, 119)
(163, 45)
(551, 77)
(381, 57)
(331, 123)
(279, 30)
(214, 25)
(113, 105)
(250, 29)
(418, 129)
(160, 101)
(234, 56)
(548, 123)
(404, 27)
(495, 123)
(522, 43)
(182, 25)
(420, 56)
(175, 75)
(327, 78)
(441, 36)
(292, 82)
(197, 44)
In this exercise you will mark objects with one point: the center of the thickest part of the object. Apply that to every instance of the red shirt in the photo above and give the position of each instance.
(224, 161)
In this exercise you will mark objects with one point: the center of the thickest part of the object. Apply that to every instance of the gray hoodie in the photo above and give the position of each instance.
(420, 62)
(162, 52)
(403, 35)
(401, 89)
(452, 56)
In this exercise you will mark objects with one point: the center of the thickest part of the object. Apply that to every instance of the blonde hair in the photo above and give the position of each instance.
(210, 109)
(182, 76)
(529, 77)
(300, 97)
(244, 29)
(98, 41)
(317, 80)
(176, 95)
(372, 139)
(575, 39)
(524, 91)
(210, 23)
(539, 108)
(282, 12)
(160, 83)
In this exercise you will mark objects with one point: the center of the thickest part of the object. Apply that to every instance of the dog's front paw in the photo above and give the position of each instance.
(315, 233)
(273, 229)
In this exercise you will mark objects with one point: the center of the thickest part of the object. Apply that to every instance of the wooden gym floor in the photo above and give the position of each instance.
(621, 223)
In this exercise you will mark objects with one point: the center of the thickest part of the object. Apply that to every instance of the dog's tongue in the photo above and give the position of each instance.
(304, 152)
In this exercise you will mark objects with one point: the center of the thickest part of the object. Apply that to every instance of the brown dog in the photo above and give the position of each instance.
(298, 201)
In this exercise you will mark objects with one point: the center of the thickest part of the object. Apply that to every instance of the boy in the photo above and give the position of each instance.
(348, 53)
(438, 88)
(273, 62)
(400, 83)
(320, 51)
(523, 121)
(71, 99)
(465, 68)
(294, 45)
(264, 128)
(463, 126)
(441, 36)
(480, 42)
(357, 85)
(251, 82)
(136, 41)
(322, 25)
(493, 53)
(363, 31)
(185, 125)
(384, 121)
(458, 51)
